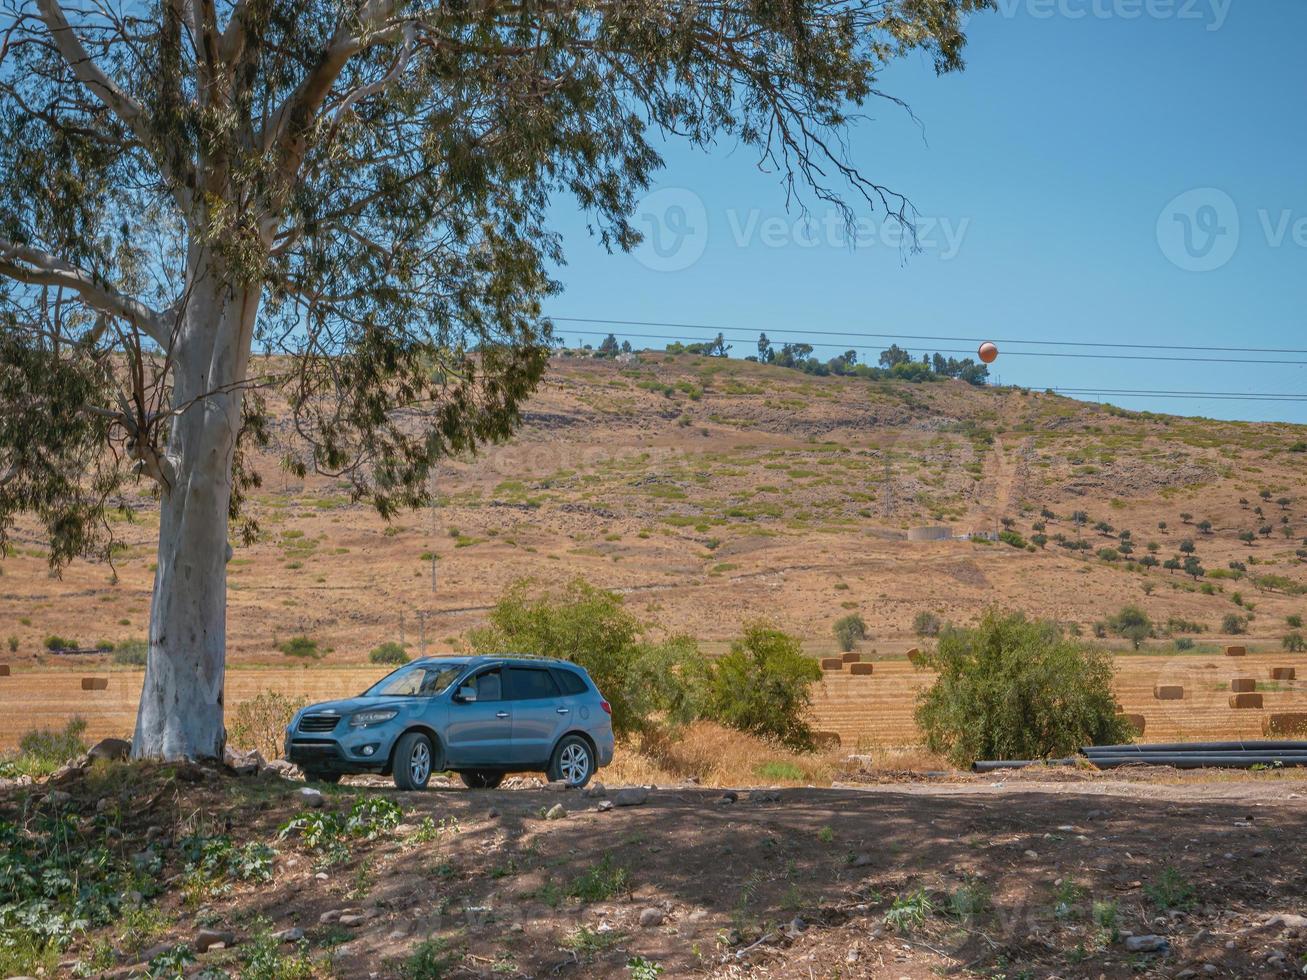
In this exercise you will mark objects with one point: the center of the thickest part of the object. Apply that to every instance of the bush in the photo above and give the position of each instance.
(1183, 643)
(1013, 688)
(389, 653)
(1132, 623)
(131, 653)
(1234, 624)
(13, 644)
(1012, 538)
(1294, 621)
(762, 687)
(41, 750)
(260, 723)
(57, 642)
(926, 624)
(588, 626)
(1294, 642)
(300, 646)
(849, 630)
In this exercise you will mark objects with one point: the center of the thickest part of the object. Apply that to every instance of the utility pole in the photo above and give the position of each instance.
(433, 529)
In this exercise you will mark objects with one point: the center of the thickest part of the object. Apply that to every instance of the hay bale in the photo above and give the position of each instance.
(832, 663)
(1236, 651)
(1242, 685)
(4, 670)
(914, 656)
(861, 670)
(1284, 673)
(1136, 722)
(1285, 723)
(851, 658)
(826, 740)
(95, 683)
(1169, 692)
(1245, 700)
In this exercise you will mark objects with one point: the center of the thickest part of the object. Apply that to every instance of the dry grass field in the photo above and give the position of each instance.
(713, 492)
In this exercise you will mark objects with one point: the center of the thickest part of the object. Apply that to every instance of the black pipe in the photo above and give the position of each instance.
(990, 765)
(1252, 745)
(1191, 760)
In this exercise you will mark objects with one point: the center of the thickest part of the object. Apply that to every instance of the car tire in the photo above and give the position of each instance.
(414, 761)
(322, 777)
(481, 779)
(573, 761)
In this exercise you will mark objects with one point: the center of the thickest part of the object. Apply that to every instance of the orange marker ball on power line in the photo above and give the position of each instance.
(988, 352)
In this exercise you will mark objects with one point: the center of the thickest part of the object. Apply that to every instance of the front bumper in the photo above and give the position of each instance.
(328, 755)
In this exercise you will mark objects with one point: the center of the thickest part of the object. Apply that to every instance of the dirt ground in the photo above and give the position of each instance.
(1026, 874)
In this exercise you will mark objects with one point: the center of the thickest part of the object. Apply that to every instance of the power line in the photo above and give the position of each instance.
(1196, 395)
(1006, 353)
(903, 336)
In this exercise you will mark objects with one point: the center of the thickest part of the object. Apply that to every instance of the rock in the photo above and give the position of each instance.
(604, 806)
(594, 791)
(795, 927)
(282, 768)
(1146, 944)
(1030, 855)
(1186, 974)
(727, 798)
(66, 774)
(556, 812)
(243, 763)
(292, 935)
(860, 861)
(764, 796)
(330, 916)
(156, 950)
(110, 750)
(557, 786)
(57, 797)
(104, 804)
(631, 796)
(1286, 920)
(492, 813)
(352, 919)
(310, 797)
(651, 917)
(207, 939)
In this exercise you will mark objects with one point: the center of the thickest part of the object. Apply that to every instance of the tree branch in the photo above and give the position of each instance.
(40, 268)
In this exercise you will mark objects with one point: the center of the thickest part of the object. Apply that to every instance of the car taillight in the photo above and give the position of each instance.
(608, 708)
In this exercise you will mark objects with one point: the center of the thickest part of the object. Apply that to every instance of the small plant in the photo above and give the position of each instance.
(131, 653)
(600, 882)
(926, 624)
(826, 835)
(171, 963)
(1171, 890)
(329, 833)
(13, 644)
(1293, 621)
(265, 960)
(908, 912)
(389, 653)
(260, 723)
(849, 630)
(432, 960)
(1183, 643)
(300, 646)
(1294, 642)
(971, 899)
(643, 969)
(1234, 624)
(56, 643)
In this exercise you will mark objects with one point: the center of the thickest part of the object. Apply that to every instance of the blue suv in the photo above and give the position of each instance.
(481, 717)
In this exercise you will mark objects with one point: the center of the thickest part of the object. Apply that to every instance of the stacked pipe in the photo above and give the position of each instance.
(1200, 755)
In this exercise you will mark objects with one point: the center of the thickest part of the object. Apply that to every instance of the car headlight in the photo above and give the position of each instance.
(365, 718)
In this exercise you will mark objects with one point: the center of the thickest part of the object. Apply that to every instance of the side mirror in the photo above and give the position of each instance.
(466, 694)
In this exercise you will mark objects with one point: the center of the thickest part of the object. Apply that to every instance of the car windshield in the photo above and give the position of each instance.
(416, 680)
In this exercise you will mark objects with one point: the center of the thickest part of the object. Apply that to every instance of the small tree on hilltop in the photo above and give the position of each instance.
(1013, 688)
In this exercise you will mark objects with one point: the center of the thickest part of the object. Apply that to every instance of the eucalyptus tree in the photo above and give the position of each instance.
(347, 200)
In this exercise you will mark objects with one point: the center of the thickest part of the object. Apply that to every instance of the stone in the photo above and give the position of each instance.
(594, 791)
(860, 861)
(651, 917)
(1031, 855)
(158, 949)
(631, 796)
(110, 750)
(1146, 944)
(282, 767)
(65, 775)
(727, 798)
(764, 796)
(492, 813)
(604, 806)
(310, 797)
(243, 763)
(292, 935)
(104, 804)
(330, 916)
(556, 812)
(557, 786)
(352, 919)
(207, 939)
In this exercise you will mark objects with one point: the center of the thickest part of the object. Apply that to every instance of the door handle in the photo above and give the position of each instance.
(501, 714)
(564, 711)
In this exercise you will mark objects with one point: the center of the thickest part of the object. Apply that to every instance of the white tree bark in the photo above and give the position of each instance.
(181, 709)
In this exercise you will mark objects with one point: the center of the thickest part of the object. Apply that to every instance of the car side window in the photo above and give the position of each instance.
(570, 681)
(532, 684)
(490, 685)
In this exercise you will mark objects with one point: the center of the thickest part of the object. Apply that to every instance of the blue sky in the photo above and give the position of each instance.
(1111, 171)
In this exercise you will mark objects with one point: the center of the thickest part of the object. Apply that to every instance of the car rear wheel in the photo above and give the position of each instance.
(413, 761)
(481, 779)
(573, 761)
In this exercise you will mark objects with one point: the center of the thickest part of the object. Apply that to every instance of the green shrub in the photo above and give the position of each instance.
(1183, 643)
(926, 624)
(300, 646)
(41, 750)
(260, 722)
(1013, 538)
(57, 642)
(13, 644)
(849, 630)
(762, 687)
(1132, 623)
(1293, 621)
(131, 653)
(389, 652)
(1294, 642)
(1013, 688)
(1234, 624)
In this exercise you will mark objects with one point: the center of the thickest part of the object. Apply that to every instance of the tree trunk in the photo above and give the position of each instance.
(181, 709)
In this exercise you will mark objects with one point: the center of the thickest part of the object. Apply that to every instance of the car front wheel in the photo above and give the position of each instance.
(481, 779)
(573, 761)
(413, 761)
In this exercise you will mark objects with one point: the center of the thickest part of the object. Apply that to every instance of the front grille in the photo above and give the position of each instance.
(319, 723)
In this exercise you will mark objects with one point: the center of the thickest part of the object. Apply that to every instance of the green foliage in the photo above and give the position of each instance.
(908, 912)
(1234, 624)
(431, 960)
(56, 642)
(600, 882)
(41, 750)
(1132, 623)
(1293, 642)
(643, 969)
(217, 859)
(588, 626)
(303, 647)
(266, 958)
(1016, 689)
(131, 653)
(260, 722)
(13, 644)
(389, 652)
(762, 686)
(926, 623)
(849, 630)
(1012, 538)
(328, 833)
(1171, 890)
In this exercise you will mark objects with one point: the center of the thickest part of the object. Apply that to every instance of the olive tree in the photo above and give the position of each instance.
(347, 200)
